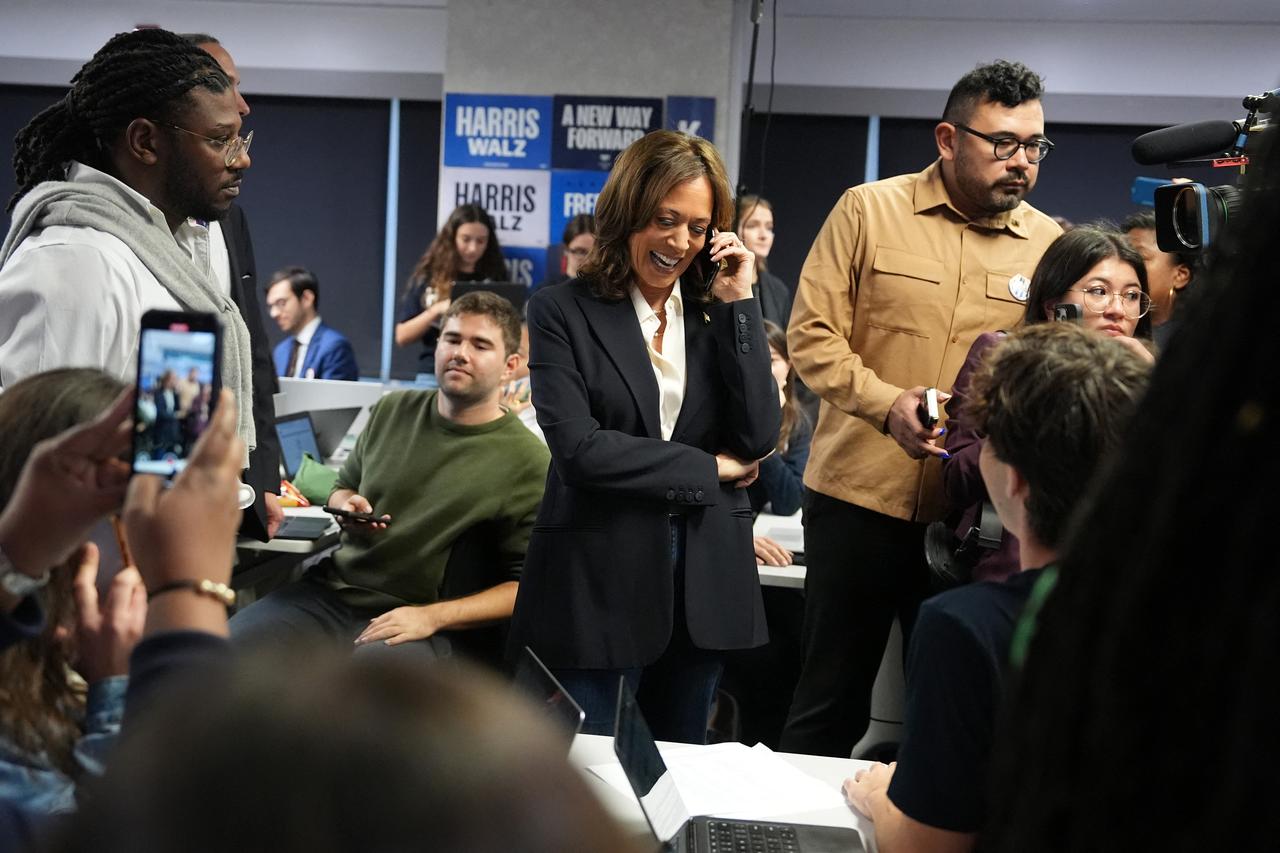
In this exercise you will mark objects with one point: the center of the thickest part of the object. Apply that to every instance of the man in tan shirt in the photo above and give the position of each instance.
(904, 275)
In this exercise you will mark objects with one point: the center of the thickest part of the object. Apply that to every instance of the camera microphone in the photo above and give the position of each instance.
(1184, 142)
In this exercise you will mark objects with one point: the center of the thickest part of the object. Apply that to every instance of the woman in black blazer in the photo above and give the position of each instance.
(641, 562)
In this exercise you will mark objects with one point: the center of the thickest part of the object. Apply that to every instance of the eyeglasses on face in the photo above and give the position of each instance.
(1133, 302)
(232, 148)
(1005, 147)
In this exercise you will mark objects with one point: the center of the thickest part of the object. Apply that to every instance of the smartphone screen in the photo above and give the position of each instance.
(179, 376)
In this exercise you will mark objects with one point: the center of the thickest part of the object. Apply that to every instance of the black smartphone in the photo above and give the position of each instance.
(179, 377)
(356, 516)
(929, 408)
(707, 268)
(1067, 312)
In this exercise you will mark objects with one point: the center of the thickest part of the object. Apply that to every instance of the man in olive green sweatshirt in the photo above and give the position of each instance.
(455, 480)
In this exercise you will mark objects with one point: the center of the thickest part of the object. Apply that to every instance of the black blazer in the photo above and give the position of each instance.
(775, 298)
(597, 588)
(263, 472)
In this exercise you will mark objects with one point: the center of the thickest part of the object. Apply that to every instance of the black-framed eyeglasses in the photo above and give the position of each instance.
(231, 148)
(1005, 147)
(1133, 302)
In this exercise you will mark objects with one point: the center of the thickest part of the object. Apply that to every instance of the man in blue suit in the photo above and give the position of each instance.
(312, 350)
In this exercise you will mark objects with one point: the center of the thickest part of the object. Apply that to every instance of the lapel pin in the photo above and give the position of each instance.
(706, 319)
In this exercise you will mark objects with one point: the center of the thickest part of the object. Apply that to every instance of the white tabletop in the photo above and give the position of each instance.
(595, 749)
(297, 546)
(788, 532)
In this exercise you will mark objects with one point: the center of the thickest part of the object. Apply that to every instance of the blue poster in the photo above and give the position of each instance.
(692, 115)
(572, 193)
(497, 131)
(525, 265)
(591, 131)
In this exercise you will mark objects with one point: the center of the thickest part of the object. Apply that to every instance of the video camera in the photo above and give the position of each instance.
(1190, 215)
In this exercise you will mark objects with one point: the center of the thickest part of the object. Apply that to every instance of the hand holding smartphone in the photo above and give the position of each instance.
(361, 517)
(929, 408)
(179, 378)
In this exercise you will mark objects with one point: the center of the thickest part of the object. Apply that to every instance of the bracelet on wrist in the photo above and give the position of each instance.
(218, 591)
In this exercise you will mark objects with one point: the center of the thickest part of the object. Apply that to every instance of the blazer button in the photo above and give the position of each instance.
(744, 337)
(671, 494)
(697, 496)
(745, 347)
(742, 318)
(680, 496)
(742, 327)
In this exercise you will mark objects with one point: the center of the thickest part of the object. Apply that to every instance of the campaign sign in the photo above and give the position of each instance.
(692, 115)
(525, 265)
(497, 131)
(517, 199)
(572, 193)
(590, 132)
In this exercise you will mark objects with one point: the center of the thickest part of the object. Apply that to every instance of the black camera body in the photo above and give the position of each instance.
(1190, 215)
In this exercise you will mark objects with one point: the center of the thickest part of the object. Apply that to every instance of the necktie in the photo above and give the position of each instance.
(293, 358)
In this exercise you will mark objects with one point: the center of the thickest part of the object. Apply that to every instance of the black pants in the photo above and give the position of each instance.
(862, 569)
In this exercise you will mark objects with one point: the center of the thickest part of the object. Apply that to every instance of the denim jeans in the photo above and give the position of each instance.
(674, 692)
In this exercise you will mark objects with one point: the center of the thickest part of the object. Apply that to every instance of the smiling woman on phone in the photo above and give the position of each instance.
(656, 399)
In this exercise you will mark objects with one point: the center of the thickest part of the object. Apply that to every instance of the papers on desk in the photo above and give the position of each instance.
(786, 530)
(734, 780)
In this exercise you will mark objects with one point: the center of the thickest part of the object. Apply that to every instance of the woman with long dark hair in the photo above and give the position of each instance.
(656, 399)
(466, 249)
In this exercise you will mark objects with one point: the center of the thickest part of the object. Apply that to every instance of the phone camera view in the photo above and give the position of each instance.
(176, 373)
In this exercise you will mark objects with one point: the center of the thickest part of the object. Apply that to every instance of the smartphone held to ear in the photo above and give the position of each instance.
(707, 268)
(1067, 312)
(179, 377)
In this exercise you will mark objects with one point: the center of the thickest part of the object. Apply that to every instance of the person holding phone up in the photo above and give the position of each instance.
(651, 381)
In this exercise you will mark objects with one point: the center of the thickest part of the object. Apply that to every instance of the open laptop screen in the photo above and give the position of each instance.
(536, 681)
(650, 779)
(297, 436)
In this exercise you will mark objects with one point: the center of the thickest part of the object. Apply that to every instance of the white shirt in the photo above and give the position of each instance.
(303, 338)
(668, 365)
(74, 297)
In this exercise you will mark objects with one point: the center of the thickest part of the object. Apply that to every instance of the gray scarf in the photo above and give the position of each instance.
(107, 208)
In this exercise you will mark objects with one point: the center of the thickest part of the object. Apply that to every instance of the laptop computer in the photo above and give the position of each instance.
(533, 679)
(514, 292)
(669, 819)
(297, 436)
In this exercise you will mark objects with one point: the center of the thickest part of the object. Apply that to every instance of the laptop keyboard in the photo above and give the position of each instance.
(726, 837)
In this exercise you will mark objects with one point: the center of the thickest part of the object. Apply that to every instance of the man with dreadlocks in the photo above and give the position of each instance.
(117, 184)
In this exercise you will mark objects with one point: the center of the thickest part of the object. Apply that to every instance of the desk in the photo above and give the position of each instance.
(596, 749)
(262, 566)
(788, 532)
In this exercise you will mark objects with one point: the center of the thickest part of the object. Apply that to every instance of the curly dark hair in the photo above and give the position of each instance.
(1007, 83)
(140, 74)
(1146, 220)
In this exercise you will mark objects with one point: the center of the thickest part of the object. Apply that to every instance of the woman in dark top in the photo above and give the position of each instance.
(466, 249)
(1085, 266)
(656, 401)
(755, 224)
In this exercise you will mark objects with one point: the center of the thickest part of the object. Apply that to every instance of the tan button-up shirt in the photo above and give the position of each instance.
(896, 288)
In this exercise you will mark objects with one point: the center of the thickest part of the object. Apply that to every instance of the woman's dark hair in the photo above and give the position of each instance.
(1142, 719)
(583, 223)
(140, 74)
(791, 411)
(643, 175)
(1069, 259)
(334, 753)
(438, 266)
(746, 206)
(39, 707)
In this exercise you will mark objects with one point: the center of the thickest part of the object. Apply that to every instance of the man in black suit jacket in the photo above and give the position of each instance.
(263, 472)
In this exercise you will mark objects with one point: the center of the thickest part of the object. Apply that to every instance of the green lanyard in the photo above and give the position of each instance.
(1025, 630)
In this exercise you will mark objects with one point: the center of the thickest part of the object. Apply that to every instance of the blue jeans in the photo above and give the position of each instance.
(674, 692)
(307, 611)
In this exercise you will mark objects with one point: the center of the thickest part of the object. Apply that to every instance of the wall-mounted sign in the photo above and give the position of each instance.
(497, 131)
(590, 132)
(517, 199)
